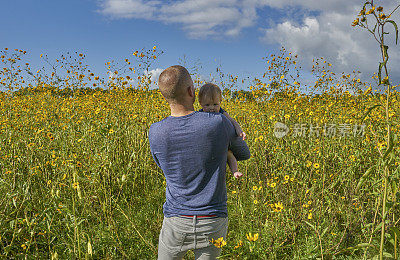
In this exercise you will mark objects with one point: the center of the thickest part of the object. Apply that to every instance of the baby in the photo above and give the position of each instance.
(210, 97)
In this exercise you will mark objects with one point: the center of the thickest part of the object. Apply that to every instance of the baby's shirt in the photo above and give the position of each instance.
(220, 110)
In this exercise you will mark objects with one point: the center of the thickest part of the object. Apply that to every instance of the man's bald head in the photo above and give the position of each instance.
(173, 83)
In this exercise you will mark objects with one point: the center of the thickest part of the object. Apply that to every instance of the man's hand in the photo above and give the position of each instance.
(237, 175)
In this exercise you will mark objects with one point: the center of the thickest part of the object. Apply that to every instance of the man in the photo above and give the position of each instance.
(191, 149)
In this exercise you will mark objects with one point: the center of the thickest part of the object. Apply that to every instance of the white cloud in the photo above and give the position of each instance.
(311, 28)
(317, 39)
(316, 5)
(155, 74)
(329, 34)
(129, 8)
(199, 18)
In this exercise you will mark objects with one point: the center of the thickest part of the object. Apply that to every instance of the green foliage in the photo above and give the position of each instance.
(380, 19)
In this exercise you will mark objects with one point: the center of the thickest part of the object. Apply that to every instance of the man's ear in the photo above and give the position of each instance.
(191, 91)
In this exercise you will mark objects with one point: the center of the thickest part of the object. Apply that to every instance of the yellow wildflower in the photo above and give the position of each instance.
(220, 242)
(308, 164)
(371, 10)
(251, 237)
(278, 207)
(50, 136)
(239, 244)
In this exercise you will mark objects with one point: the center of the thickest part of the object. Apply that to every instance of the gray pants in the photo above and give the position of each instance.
(180, 234)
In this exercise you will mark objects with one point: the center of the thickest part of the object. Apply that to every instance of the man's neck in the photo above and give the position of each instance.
(181, 110)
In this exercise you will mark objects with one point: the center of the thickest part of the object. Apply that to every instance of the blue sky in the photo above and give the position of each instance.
(235, 34)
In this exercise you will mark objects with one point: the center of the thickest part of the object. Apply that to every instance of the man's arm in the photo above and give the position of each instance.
(239, 149)
(155, 158)
(152, 142)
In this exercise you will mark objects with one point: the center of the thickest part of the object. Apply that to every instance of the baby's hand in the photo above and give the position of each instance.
(243, 135)
(237, 175)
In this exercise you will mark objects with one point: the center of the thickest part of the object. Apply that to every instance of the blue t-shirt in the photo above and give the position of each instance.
(220, 110)
(191, 150)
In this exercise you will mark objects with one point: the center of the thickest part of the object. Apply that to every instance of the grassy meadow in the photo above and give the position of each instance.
(77, 179)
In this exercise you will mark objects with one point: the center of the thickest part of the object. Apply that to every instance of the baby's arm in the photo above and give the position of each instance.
(232, 162)
(238, 129)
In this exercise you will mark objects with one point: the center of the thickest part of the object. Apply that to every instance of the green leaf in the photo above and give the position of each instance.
(394, 186)
(397, 171)
(385, 53)
(369, 111)
(395, 27)
(396, 231)
(379, 226)
(381, 64)
(359, 246)
(311, 225)
(367, 226)
(323, 232)
(389, 149)
(380, 72)
(364, 177)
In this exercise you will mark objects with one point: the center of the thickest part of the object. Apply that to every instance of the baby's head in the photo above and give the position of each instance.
(210, 97)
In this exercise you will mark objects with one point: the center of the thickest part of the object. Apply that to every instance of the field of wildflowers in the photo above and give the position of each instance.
(78, 181)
